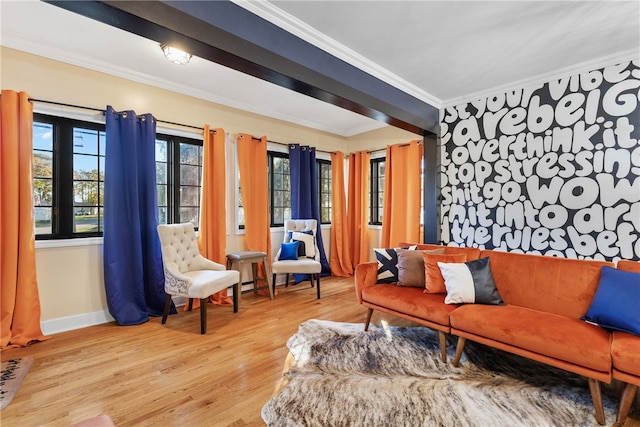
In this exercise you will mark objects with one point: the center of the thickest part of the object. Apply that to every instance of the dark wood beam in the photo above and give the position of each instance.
(225, 33)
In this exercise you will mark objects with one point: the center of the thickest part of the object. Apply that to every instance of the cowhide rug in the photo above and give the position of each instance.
(343, 376)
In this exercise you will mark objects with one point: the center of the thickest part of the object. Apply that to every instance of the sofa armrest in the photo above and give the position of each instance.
(366, 276)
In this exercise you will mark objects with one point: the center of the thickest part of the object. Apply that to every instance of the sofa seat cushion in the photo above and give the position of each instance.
(552, 335)
(410, 301)
(625, 352)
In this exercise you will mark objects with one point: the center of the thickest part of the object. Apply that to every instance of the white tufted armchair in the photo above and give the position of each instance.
(189, 274)
(302, 265)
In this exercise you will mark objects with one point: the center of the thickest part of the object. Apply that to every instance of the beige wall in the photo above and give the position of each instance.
(70, 277)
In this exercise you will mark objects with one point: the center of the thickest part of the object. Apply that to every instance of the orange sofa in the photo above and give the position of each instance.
(545, 297)
(625, 352)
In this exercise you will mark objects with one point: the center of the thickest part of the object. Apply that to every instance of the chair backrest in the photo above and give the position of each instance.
(299, 225)
(179, 244)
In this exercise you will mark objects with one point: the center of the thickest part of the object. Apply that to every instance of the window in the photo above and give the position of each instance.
(178, 179)
(279, 188)
(323, 171)
(68, 177)
(279, 184)
(376, 188)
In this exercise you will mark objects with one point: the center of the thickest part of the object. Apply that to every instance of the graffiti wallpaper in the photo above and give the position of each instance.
(552, 170)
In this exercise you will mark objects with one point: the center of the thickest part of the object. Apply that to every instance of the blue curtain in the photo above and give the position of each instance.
(304, 193)
(133, 271)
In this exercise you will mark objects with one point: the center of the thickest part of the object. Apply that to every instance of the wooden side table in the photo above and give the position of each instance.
(238, 259)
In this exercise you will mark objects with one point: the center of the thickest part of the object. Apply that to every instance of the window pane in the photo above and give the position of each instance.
(85, 167)
(278, 216)
(42, 192)
(43, 221)
(161, 150)
(189, 175)
(189, 196)
(43, 136)
(161, 173)
(85, 141)
(189, 154)
(162, 195)
(278, 198)
(85, 193)
(277, 165)
(189, 215)
(42, 164)
(100, 219)
(162, 215)
(102, 143)
(85, 220)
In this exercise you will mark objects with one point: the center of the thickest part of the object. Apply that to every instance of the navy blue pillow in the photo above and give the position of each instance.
(615, 304)
(289, 251)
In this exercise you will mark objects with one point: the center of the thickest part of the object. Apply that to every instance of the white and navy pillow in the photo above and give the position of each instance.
(470, 282)
(307, 247)
(388, 264)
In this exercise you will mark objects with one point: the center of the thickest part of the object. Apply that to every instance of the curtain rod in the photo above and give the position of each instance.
(282, 143)
(62, 104)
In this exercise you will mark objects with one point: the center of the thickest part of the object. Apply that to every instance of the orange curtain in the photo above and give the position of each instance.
(340, 256)
(20, 305)
(252, 162)
(358, 224)
(212, 235)
(401, 209)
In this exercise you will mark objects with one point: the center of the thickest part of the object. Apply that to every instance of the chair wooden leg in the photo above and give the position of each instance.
(273, 283)
(190, 304)
(286, 281)
(596, 397)
(266, 279)
(459, 350)
(626, 400)
(369, 314)
(443, 346)
(311, 279)
(237, 288)
(203, 315)
(318, 285)
(254, 273)
(167, 307)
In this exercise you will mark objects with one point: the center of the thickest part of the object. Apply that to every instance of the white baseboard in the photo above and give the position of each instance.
(84, 320)
(69, 323)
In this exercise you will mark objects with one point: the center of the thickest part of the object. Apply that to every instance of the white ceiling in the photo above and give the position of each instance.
(442, 52)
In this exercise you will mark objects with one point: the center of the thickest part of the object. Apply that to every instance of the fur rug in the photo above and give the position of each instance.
(343, 376)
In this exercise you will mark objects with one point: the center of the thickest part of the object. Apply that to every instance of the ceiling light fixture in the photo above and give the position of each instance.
(174, 55)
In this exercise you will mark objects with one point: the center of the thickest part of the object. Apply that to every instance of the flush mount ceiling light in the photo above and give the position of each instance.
(174, 55)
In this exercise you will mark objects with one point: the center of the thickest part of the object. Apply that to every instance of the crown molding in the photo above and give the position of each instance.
(293, 25)
(582, 67)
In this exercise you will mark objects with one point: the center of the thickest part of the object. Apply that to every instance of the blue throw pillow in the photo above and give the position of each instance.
(616, 302)
(289, 251)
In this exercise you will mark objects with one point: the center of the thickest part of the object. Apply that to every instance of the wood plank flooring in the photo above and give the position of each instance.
(170, 375)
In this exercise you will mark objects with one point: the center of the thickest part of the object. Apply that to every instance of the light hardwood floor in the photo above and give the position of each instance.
(170, 375)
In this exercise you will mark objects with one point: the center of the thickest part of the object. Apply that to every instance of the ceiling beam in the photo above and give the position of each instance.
(225, 33)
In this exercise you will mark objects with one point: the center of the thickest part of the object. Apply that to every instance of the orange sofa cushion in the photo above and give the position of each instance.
(563, 338)
(625, 352)
(556, 285)
(410, 301)
(626, 265)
